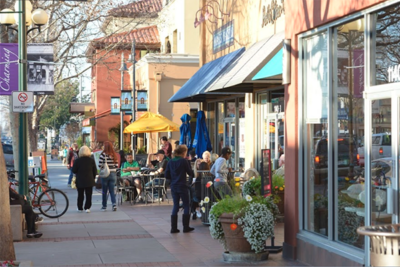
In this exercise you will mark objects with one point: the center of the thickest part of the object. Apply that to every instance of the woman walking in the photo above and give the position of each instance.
(108, 183)
(85, 170)
(176, 171)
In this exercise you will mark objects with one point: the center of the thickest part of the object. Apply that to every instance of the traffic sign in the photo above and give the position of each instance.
(22, 102)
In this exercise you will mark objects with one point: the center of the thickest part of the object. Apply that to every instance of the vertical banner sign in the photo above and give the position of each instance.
(115, 105)
(8, 68)
(141, 100)
(266, 178)
(126, 100)
(41, 69)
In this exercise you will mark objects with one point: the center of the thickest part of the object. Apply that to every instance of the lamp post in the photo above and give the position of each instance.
(25, 18)
(133, 136)
(122, 69)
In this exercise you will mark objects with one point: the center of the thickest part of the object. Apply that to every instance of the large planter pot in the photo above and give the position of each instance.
(235, 240)
(239, 250)
(21, 263)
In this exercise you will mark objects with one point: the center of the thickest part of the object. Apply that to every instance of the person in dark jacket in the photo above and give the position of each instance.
(86, 171)
(30, 216)
(176, 172)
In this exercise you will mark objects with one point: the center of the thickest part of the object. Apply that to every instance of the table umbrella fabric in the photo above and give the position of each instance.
(201, 140)
(151, 123)
(186, 133)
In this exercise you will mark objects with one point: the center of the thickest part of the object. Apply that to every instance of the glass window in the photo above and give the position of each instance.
(348, 89)
(387, 46)
(211, 123)
(316, 134)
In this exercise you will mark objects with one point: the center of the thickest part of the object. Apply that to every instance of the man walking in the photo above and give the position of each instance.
(72, 156)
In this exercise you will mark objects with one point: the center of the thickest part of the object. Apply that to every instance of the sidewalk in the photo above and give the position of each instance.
(132, 236)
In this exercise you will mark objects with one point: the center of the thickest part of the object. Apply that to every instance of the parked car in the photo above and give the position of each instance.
(381, 148)
(8, 155)
(343, 158)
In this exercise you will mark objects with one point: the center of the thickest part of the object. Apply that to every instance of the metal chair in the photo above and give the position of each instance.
(155, 184)
(123, 190)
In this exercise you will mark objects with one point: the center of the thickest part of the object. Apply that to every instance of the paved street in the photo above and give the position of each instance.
(132, 236)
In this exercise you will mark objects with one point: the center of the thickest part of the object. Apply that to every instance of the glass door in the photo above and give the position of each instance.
(229, 139)
(378, 156)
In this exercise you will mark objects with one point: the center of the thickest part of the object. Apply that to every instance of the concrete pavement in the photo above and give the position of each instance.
(135, 235)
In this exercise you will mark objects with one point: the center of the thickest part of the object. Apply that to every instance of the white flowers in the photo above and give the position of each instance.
(249, 198)
(203, 209)
(201, 203)
(206, 199)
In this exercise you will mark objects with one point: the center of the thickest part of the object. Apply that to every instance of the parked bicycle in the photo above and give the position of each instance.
(51, 202)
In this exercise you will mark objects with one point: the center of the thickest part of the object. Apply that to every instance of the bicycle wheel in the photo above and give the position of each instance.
(53, 203)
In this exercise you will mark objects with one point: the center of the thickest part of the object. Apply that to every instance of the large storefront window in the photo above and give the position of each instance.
(316, 134)
(387, 46)
(348, 89)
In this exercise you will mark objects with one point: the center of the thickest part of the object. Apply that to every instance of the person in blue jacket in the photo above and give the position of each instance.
(176, 172)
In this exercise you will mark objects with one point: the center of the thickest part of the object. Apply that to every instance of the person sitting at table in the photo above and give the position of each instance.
(160, 164)
(126, 173)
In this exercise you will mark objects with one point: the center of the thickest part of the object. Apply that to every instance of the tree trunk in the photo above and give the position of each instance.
(7, 251)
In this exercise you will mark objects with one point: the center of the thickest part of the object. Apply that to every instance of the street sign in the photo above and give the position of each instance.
(22, 102)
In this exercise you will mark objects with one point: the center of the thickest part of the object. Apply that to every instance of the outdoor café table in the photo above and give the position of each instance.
(149, 178)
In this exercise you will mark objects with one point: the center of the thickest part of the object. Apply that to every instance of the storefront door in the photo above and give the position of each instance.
(379, 155)
(230, 139)
(275, 137)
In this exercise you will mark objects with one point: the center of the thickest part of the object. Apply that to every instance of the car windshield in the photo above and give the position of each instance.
(343, 146)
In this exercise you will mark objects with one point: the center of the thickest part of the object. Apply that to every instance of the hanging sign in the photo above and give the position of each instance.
(126, 100)
(8, 68)
(141, 100)
(41, 69)
(22, 102)
(115, 105)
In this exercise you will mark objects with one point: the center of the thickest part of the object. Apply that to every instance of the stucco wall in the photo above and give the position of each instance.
(300, 17)
(172, 76)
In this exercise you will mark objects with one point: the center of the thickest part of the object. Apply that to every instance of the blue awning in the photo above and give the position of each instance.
(194, 89)
(271, 70)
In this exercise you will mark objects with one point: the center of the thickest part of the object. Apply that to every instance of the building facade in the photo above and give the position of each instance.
(342, 109)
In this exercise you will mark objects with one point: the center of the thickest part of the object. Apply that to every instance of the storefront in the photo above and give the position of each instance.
(342, 110)
(245, 48)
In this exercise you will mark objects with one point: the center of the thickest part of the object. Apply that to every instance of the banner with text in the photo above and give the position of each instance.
(8, 68)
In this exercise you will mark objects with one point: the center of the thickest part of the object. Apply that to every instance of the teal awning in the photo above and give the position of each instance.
(271, 70)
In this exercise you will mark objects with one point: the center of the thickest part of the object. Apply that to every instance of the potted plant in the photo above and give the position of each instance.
(243, 223)
(278, 188)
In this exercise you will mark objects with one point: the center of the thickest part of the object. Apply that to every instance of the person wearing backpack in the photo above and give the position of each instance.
(109, 157)
(72, 156)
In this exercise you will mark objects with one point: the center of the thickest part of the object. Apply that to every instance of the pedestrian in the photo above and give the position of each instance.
(108, 183)
(30, 216)
(166, 146)
(220, 170)
(65, 154)
(176, 172)
(72, 156)
(86, 171)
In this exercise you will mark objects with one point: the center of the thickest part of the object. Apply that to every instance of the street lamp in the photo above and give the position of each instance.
(38, 17)
(24, 18)
(121, 113)
(132, 59)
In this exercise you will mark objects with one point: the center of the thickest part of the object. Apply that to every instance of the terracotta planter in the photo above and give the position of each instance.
(281, 204)
(235, 240)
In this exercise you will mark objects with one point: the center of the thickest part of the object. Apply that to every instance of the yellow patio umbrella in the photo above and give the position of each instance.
(151, 123)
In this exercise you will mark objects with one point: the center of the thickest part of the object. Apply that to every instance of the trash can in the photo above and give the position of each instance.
(206, 177)
(385, 244)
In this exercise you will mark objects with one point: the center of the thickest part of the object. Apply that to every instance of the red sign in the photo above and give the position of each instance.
(22, 97)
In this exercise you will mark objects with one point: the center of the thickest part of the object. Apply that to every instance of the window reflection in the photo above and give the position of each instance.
(387, 45)
(349, 87)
